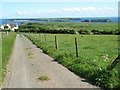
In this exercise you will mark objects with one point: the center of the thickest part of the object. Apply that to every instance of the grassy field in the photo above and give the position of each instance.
(96, 52)
(75, 26)
(7, 47)
(53, 27)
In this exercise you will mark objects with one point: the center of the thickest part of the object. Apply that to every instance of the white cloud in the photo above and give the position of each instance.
(53, 11)
(74, 11)
(79, 11)
(22, 13)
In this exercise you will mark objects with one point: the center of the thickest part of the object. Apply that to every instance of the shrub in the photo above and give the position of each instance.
(83, 32)
(95, 31)
(106, 32)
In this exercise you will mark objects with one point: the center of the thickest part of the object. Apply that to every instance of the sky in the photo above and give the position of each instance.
(58, 9)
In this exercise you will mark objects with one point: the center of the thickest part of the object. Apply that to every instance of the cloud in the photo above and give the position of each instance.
(53, 11)
(79, 9)
(21, 13)
(87, 11)
(74, 11)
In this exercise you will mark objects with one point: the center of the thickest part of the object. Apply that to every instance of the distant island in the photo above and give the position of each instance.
(98, 20)
(62, 20)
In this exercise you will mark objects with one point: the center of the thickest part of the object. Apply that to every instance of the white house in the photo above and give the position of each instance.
(14, 26)
(11, 26)
(2, 26)
(8, 25)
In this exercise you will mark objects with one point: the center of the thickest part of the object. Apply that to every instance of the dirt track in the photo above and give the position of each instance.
(28, 63)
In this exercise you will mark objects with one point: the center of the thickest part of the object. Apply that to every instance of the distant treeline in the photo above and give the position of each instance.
(70, 28)
(64, 19)
(71, 31)
(97, 20)
(49, 19)
(116, 32)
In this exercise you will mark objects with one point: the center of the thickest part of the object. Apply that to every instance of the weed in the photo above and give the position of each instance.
(44, 78)
(27, 49)
(30, 54)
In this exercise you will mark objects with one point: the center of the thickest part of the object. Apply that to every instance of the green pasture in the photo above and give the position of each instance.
(70, 25)
(96, 52)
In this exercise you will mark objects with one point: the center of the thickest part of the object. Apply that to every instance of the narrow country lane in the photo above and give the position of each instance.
(28, 63)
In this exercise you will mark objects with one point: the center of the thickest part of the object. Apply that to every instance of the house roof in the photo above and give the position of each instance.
(13, 25)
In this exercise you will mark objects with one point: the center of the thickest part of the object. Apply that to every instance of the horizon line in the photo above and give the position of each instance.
(61, 17)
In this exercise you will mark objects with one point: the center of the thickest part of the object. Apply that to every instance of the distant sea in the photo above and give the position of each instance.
(4, 21)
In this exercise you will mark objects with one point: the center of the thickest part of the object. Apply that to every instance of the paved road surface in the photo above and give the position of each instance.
(28, 63)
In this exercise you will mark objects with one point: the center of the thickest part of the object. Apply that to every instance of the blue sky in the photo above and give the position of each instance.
(62, 8)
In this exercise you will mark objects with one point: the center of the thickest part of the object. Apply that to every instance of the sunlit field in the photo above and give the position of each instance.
(95, 53)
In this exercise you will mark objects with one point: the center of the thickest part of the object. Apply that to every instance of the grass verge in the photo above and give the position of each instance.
(7, 47)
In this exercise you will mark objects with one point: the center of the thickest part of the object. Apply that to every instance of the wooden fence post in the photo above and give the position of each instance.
(34, 35)
(28, 33)
(56, 42)
(45, 37)
(39, 35)
(114, 63)
(76, 47)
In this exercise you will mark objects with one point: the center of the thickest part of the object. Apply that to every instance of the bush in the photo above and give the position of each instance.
(83, 32)
(96, 31)
(106, 32)
(104, 78)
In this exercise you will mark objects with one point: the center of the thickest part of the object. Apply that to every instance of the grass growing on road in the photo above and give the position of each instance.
(44, 78)
(30, 54)
(95, 53)
(7, 47)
